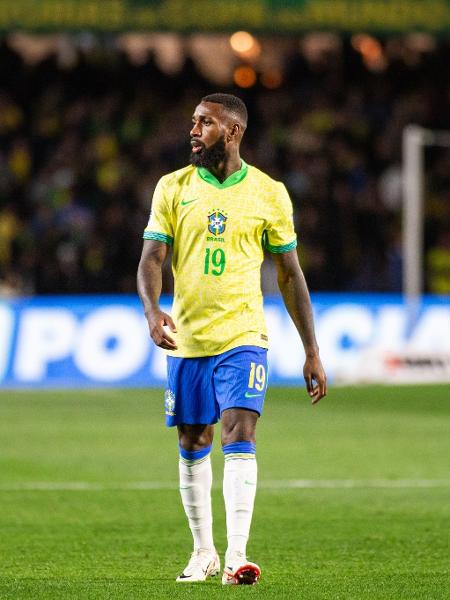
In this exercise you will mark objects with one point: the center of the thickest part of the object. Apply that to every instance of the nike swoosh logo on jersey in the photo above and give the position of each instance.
(248, 395)
(184, 202)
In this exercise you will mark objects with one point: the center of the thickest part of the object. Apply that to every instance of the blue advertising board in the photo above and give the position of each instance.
(98, 341)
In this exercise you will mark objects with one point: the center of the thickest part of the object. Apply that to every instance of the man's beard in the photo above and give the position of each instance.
(210, 158)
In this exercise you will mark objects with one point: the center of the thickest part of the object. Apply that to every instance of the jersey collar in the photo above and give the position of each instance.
(234, 178)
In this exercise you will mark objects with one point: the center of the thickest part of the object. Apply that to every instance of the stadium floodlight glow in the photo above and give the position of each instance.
(245, 44)
(370, 50)
(244, 76)
(242, 41)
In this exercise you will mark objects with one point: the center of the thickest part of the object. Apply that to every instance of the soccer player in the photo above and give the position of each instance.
(219, 214)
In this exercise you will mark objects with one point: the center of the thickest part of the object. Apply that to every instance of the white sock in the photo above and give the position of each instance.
(195, 490)
(239, 489)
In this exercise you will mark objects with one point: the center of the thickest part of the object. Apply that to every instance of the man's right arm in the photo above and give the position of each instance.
(149, 285)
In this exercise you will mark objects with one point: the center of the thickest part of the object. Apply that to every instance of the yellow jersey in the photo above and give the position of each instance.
(218, 232)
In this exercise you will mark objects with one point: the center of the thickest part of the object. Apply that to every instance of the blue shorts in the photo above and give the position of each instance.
(200, 389)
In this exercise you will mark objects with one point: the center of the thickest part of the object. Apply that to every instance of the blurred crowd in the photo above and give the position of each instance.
(82, 148)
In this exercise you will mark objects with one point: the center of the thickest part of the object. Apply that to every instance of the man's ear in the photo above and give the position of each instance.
(234, 132)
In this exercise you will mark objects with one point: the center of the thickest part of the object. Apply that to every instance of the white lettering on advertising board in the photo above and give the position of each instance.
(45, 335)
(111, 344)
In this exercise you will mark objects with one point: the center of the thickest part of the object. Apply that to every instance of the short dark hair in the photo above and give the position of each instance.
(232, 104)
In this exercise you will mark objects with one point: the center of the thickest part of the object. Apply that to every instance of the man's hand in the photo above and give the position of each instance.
(156, 321)
(313, 372)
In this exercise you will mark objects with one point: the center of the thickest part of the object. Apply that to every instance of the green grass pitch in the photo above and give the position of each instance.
(353, 502)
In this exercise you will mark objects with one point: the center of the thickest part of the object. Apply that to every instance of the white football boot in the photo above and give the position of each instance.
(202, 564)
(239, 571)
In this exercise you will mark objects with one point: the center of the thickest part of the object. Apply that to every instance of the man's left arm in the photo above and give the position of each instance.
(292, 284)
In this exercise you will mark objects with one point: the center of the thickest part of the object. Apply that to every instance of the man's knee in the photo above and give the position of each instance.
(195, 437)
(238, 425)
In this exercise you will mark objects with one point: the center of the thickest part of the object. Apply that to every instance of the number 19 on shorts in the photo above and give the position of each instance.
(257, 377)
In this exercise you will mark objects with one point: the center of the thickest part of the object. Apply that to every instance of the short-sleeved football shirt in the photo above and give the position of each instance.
(218, 232)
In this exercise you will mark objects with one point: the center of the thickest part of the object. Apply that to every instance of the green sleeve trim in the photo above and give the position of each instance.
(158, 237)
(279, 249)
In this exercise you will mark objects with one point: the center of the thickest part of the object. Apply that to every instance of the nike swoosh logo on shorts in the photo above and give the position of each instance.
(248, 395)
(184, 202)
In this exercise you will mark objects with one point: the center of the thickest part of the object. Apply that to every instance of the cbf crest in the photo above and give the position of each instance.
(217, 222)
(169, 403)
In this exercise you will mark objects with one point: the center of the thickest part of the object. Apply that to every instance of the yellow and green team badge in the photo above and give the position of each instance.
(217, 222)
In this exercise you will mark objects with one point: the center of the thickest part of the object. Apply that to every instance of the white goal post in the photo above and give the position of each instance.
(415, 138)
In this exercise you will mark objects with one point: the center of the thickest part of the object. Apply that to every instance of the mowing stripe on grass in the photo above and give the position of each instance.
(276, 484)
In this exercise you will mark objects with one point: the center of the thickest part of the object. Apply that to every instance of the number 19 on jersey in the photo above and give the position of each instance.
(214, 262)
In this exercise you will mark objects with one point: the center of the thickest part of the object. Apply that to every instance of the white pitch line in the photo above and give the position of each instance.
(275, 484)
(356, 483)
